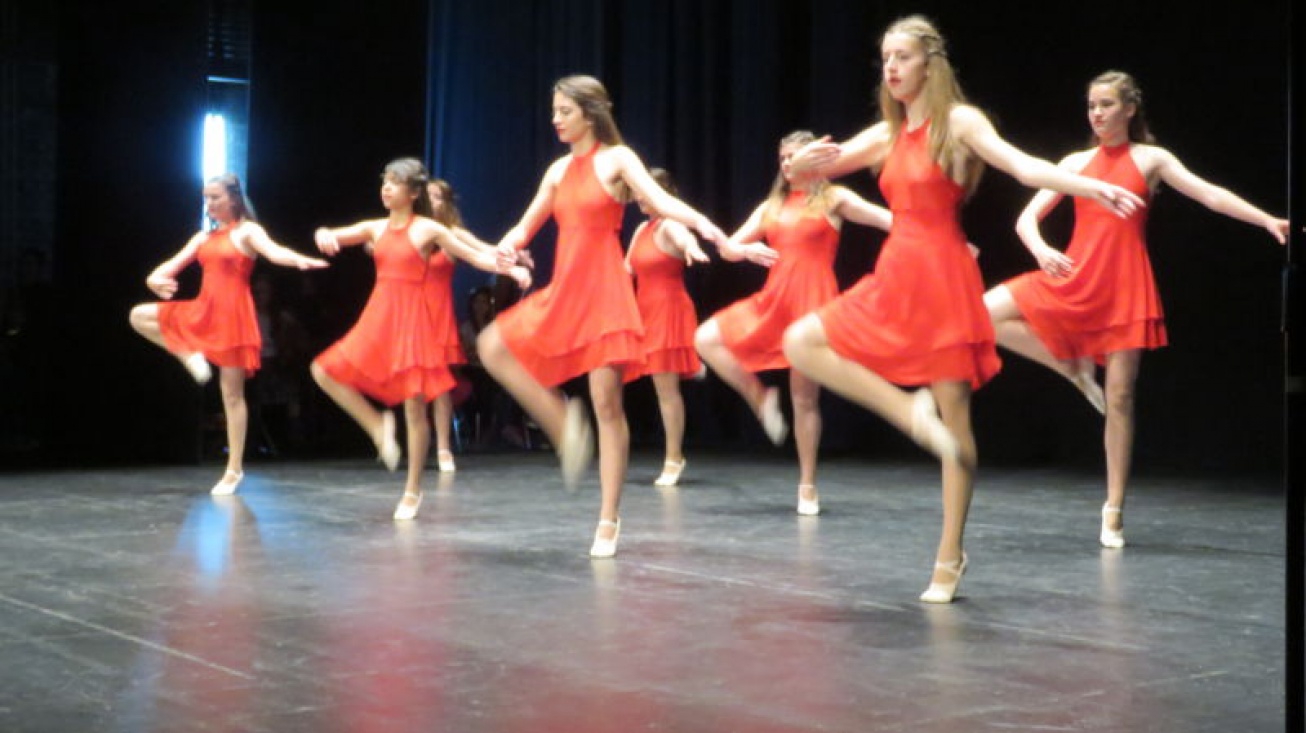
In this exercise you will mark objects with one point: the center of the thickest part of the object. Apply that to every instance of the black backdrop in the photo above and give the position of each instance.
(703, 88)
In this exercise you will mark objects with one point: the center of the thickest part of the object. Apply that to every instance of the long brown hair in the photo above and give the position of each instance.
(590, 95)
(942, 92)
(1130, 93)
(448, 213)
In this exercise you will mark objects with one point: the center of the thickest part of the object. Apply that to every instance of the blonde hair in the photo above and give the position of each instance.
(941, 92)
(817, 203)
(1130, 93)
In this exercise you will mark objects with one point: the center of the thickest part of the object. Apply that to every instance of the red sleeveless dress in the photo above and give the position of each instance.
(919, 317)
(801, 281)
(394, 352)
(438, 290)
(1109, 301)
(586, 317)
(220, 322)
(664, 306)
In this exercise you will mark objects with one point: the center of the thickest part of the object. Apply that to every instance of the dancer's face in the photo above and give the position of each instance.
(903, 63)
(1107, 114)
(217, 202)
(787, 153)
(436, 196)
(395, 194)
(569, 120)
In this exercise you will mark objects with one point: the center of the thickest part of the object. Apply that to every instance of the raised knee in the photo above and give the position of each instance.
(138, 318)
(797, 338)
(706, 336)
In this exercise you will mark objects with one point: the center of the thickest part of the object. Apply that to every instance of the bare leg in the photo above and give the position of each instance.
(806, 395)
(1014, 334)
(370, 419)
(953, 399)
(614, 443)
(809, 352)
(145, 319)
(442, 416)
(232, 382)
(419, 443)
(708, 342)
(546, 406)
(672, 407)
(1121, 375)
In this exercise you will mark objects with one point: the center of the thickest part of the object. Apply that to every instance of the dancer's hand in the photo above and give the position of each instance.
(505, 256)
(1053, 261)
(694, 253)
(709, 231)
(759, 254)
(326, 241)
(163, 286)
(1278, 228)
(310, 263)
(1119, 200)
(815, 155)
(520, 275)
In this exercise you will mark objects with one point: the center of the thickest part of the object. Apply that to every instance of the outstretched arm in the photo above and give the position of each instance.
(633, 172)
(427, 234)
(1217, 199)
(258, 240)
(745, 243)
(675, 239)
(163, 279)
(854, 208)
(974, 129)
(835, 160)
(329, 241)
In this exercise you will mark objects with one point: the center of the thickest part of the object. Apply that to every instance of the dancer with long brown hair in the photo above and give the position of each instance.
(220, 325)
(919, 318)
(400, 349)
(1097, 302)
(586, 320)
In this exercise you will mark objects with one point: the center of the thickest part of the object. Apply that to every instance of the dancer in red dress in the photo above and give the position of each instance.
(406, 337)
(220, 324)
(800, 221)
(1097, 302)
(659, 252)
(444, 209)
(586, 320)
(919, 319)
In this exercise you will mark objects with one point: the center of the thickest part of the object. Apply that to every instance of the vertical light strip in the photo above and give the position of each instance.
(214, 160)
